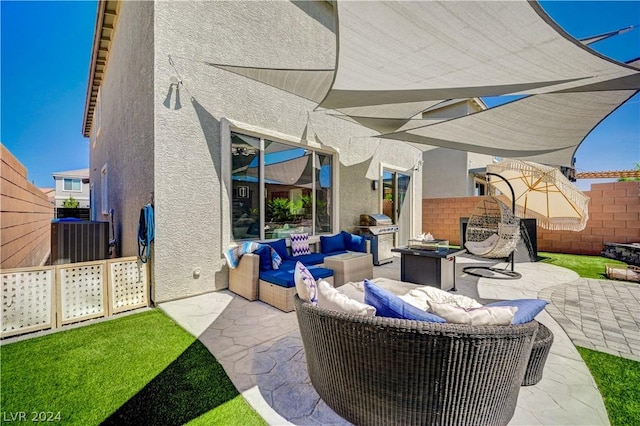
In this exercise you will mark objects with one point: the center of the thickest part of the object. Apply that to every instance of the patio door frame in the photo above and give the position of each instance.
(411, 193)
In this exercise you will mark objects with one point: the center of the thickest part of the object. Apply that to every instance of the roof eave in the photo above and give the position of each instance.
(105, 8)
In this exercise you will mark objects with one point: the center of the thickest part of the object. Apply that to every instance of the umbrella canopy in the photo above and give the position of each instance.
(541, 192)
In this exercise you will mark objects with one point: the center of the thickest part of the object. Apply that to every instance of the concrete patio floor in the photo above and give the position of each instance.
(260, 347)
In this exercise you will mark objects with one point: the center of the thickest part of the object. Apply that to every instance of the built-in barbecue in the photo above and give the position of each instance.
(379, 229)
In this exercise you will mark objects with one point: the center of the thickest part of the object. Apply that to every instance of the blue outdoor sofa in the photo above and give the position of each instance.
(254, 278)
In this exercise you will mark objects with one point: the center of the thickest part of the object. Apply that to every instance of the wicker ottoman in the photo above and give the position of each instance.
(350, 267)
(538, 357)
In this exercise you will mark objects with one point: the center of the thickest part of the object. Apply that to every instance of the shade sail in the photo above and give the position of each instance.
(545, 128)
(395, 59)
(308, 84)
(392, 53)
(548, 127)
(398, 51)
(541, 192)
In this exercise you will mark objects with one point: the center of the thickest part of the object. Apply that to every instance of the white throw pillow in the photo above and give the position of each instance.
(305, 284)
(331, 298)
(497, 315)
(419, 297)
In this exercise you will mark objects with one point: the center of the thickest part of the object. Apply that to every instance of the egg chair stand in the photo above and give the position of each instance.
(493, 232)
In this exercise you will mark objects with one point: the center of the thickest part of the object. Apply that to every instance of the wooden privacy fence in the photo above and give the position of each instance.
(46, 297)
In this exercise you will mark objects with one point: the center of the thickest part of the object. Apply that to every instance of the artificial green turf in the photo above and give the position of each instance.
(138, 369)
(618, 379)
(585, 266)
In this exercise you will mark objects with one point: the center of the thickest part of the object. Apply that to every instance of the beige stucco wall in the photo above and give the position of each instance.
(125, 140)
(192, 177)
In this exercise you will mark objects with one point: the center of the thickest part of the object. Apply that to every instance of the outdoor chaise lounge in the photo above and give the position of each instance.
(378, 370)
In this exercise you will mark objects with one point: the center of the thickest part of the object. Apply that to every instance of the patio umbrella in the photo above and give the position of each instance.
(541, 192)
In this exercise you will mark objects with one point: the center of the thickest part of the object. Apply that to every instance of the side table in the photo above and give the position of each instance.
(350, 266)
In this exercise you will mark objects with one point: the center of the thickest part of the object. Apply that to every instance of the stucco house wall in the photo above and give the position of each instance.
(446, 171)
(170, 142)
(122, 138)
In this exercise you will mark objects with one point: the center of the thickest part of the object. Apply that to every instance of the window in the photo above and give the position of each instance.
(104, 189)
(74, 185)
(480, 187)
(278, 189)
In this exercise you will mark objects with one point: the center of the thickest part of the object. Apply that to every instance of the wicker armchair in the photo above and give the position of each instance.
(381, 371)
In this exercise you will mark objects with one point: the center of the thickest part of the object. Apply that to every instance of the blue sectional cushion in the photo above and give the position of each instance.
(331, 244)
(285, 277)
(389, 305)
(265, 257)
(354, 242)
(311, 258)
(281, 247)
(278, 277)
(527, 308)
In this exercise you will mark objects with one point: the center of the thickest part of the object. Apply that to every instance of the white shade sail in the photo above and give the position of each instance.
(395, 59)
(548, 128)
(398, 51)
(308, 84)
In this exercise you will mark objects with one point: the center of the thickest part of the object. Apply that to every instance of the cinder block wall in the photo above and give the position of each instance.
(25, 217)
(614, 217)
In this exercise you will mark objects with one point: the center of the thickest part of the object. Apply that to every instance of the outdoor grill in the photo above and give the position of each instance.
(379, 229)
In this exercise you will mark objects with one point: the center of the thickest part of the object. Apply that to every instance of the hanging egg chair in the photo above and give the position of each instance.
(493, 231)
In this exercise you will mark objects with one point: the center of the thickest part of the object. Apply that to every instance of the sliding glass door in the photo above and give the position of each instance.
(396, 203)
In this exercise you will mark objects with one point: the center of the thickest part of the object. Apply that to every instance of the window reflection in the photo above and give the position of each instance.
(289, 176)
(245, 182)
(288, 184)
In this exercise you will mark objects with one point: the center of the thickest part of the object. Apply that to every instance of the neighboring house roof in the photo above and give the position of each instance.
(80, 173)
(103, 34)
(49, 192)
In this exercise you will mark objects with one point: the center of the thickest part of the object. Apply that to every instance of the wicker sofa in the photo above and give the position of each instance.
(275, 287)
(380, 371)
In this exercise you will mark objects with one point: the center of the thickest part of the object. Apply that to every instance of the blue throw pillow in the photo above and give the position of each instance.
(280, 247)
(527, 308)
(264, 251)
(354, 242)
(332, 244)
(389, 305)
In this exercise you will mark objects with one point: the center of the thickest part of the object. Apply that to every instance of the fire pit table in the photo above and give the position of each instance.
(436, 268)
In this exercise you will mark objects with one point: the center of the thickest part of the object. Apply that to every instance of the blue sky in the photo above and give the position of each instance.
(46, 48)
